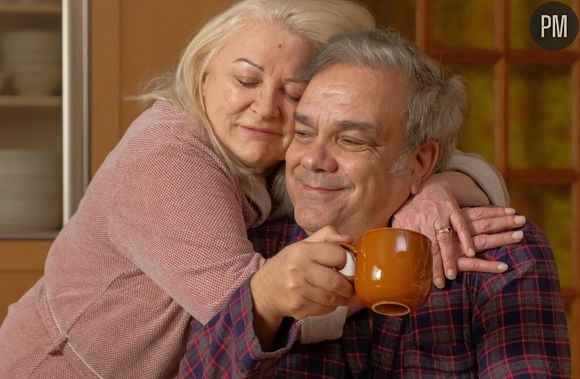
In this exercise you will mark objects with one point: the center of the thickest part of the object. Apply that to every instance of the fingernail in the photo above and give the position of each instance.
(439, 283)
(451, 274)
(502, 267)
(518, 235)
(470, 252)
(520, 220)
(510, 211)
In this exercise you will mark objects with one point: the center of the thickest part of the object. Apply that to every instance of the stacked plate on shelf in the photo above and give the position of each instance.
(30, 191)
(32, 58)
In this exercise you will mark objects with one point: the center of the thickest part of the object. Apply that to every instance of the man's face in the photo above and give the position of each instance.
(349, 132)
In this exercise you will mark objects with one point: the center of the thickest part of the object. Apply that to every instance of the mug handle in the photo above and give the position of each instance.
(348, 269)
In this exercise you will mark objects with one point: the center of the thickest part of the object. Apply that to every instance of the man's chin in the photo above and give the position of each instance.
(310, 221)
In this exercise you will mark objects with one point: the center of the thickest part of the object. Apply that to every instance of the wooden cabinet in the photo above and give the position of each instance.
(30, 141)
(30, 119)
(21, 264)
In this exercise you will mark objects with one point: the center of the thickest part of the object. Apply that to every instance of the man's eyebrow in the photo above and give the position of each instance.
(302, 119)
(364, 126)
(355, 124)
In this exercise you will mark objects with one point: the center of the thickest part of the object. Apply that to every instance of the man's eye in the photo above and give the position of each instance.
(302, 134)
(351, 142)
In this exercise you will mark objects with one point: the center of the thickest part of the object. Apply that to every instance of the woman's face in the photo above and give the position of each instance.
(251, 89)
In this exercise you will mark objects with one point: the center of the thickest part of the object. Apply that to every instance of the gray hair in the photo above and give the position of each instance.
(436, 105)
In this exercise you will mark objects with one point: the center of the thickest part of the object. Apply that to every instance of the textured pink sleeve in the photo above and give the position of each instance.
(484, 174)
(180, 218)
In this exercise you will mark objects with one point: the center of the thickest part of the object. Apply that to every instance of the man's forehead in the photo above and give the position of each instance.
(332, 92)
(336, 78)
(353, 97)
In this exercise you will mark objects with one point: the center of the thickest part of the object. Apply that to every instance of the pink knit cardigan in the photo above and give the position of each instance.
(160, 231)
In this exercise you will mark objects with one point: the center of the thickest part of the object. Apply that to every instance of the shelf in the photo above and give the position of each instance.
(490, 56)
(30, 101)
(30, 8)
(542, 176)
(535, 57)
(15, 236)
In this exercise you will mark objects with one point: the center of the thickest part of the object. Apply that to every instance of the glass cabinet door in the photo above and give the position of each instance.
(35, 140)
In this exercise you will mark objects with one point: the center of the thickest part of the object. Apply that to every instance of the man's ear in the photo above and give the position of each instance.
(423, 162)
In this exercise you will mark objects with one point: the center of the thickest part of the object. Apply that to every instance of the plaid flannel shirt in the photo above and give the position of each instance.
(480, 325)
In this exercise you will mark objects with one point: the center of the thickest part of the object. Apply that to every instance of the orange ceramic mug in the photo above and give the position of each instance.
(393, 270)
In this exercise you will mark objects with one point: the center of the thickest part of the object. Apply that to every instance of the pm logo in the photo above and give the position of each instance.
(554, 26)
(556, 23)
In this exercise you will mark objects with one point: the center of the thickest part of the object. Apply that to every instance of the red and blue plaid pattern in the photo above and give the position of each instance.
(481, 325)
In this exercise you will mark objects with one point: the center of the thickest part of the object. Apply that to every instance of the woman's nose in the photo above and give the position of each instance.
(267, 104)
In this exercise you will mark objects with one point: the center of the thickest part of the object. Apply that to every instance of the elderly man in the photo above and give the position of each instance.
(376, 119)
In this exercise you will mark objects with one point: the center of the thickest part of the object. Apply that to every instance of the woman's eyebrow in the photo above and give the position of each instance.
(245, 60)
(300, 78)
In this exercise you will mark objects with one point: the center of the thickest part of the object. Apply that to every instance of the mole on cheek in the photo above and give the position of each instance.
(279, 45)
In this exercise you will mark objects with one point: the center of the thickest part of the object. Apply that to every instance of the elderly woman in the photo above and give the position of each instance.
(160, 235)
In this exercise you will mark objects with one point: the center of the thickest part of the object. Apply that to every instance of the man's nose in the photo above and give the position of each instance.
(319, 156)
(267, 103)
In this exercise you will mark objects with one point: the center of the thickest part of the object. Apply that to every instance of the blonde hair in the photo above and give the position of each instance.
(314, 20)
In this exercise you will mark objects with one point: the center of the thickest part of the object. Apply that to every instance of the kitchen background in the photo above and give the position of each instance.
(66, 68)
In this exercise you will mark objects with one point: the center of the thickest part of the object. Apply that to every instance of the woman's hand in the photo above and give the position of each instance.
(490, 228)
(431, 211)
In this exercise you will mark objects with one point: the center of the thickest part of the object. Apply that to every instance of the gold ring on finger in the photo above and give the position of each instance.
(444, 229)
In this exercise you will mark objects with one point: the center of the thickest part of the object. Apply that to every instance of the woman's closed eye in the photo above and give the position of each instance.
(247, 82)
(292, 96)
(294, 90)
